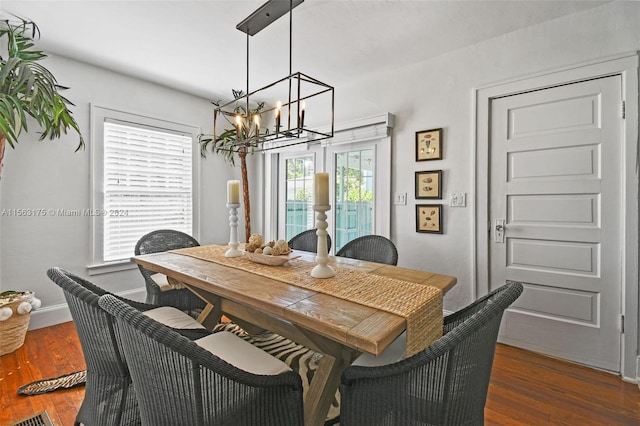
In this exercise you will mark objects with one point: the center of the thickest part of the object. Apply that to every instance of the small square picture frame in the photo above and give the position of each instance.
(428, 184)
(429, 145)
(429, 218)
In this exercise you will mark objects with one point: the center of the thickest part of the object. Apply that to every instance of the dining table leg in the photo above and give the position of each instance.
(207, 316)
(212, 312)
(324, 385)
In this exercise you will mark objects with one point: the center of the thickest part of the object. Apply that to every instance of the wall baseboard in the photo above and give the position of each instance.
(637, 379)
(56, 314)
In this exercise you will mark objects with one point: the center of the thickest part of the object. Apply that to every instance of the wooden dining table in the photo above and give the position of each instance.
(339, 329)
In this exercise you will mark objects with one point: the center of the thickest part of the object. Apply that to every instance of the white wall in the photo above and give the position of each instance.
(431, 94)
(439, 93)
(49, 175)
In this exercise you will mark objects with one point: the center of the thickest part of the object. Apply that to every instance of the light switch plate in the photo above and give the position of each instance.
(400, 198)
(458, 199)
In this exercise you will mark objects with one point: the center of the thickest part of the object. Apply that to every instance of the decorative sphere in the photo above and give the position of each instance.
(24, 308)
(5, 313)
(36, 303)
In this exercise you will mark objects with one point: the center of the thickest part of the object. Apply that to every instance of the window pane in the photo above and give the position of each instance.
(147, 185)
(354, 195)
(299, 195)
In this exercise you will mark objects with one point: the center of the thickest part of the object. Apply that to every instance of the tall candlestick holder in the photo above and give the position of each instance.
(233, 232)
(322, 269)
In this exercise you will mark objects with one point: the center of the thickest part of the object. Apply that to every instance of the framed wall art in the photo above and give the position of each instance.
(429, 145)
(429, 184)
(429, 218)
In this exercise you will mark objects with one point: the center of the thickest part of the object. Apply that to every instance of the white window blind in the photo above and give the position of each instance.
(147, 185)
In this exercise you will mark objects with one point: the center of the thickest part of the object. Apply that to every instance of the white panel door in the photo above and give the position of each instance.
(555, 211)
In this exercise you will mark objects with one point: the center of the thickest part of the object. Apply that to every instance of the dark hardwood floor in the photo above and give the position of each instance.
(526, 388)
(47, 352)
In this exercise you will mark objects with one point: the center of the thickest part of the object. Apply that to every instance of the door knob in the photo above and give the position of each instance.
(499, 231)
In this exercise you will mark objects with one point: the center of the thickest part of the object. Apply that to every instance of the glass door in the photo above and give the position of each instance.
(354, 173)
(359, 186)
(298, 193)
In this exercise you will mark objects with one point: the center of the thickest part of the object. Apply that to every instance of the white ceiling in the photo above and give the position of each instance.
(194, 46)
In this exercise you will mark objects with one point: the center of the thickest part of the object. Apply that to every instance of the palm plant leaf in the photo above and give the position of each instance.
(10, 108)
(28, 88)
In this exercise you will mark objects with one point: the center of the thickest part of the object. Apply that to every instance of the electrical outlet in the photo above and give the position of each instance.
(400, 198)
(458, 199)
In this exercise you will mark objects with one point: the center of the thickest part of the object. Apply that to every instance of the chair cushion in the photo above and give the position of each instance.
(242, 354)
(173, 317)
(396, 351)
(162, 281)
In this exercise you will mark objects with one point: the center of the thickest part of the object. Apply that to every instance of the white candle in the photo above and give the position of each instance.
(321, 189)
(233, 192)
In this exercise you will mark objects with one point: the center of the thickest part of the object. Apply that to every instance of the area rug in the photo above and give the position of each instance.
(49, 385)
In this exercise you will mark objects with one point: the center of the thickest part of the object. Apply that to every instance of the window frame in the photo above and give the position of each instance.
(99, 115)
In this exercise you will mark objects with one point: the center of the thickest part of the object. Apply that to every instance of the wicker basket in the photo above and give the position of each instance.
(14, 329)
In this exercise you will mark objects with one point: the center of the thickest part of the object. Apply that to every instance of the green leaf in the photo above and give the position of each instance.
(28, 88)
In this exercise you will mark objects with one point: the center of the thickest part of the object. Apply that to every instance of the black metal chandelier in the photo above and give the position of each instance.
(276, 115)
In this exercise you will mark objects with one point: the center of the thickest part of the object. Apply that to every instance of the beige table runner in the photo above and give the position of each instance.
(420, 304)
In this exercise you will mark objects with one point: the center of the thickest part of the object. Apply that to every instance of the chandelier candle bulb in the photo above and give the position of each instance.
(238, 126)
(278, 114)
(256, 120)
(321, 189)
(233, 192)
(302, 107)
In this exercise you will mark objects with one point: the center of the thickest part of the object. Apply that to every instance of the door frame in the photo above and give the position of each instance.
(625, 65)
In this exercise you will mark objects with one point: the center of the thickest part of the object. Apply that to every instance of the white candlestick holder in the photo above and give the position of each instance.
(322, 269)
(233, 232)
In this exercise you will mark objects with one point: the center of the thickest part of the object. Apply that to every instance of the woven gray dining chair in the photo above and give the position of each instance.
(157, 293)
(218, 380)
(445, 384)
(109, 398)
(372, 248)
(307, 241)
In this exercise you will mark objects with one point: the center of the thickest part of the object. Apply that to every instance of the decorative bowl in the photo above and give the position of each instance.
(267, 259)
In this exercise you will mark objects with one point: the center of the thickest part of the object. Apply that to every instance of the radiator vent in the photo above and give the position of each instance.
(40, 419)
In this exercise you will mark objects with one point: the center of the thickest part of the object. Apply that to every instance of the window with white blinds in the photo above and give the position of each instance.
(147, 185)
(143, 178)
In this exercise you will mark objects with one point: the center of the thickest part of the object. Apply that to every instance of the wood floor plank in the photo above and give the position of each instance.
(493, 417)
(535, 389)
(526, 388)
